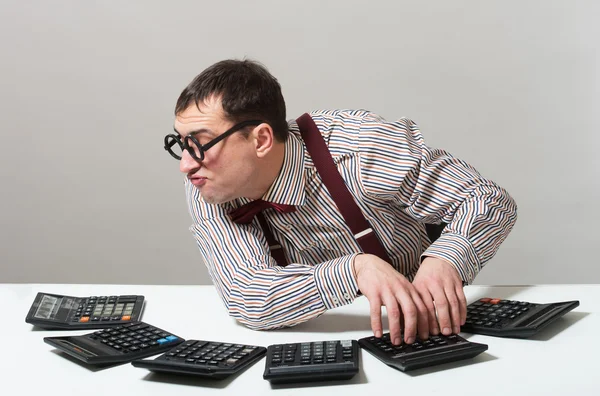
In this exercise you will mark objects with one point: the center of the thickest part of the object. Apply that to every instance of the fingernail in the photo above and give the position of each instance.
(410, 340)
(378, 334)
(397, 341)
(456, 330)
(446, 331)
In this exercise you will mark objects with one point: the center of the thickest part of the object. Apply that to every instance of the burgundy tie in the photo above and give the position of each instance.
(245, 213)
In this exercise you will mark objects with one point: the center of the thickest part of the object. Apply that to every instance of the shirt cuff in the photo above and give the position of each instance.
(458, 251)
(335, 281)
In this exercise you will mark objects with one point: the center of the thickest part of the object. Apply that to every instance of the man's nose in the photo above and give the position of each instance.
(187, 163)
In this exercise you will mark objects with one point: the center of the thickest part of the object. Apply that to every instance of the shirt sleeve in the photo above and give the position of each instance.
(432, 186)
(254, 289)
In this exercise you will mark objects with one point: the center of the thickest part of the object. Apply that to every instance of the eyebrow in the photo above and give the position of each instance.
(194, 132)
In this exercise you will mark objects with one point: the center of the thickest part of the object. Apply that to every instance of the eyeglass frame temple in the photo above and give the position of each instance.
(183, 143)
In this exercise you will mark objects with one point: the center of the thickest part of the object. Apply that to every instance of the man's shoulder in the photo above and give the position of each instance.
(340, 114)
(335, 121)
(338, 121)
(356, 115)
(327, 117)
(350, 123)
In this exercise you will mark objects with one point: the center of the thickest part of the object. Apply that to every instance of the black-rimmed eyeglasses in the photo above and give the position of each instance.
(175, 144)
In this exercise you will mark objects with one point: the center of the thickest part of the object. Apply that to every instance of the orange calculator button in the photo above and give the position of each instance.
(485, 300)
(126, 317)
(84, 319)
(495, 301)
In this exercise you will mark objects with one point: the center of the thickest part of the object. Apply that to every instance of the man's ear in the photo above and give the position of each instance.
(264, 139)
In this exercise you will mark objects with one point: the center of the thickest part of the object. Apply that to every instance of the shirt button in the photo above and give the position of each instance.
(347, 297)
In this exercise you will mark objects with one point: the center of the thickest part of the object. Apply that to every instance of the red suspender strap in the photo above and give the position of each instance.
(364, 234)
(276, 249)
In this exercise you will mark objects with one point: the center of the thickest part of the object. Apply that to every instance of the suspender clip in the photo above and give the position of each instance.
(363, 233)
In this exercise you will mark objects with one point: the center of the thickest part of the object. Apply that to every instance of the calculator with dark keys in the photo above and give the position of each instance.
(511, 318)
(311, 361)
(208, 359)
(118, 344)
(421, 353)
(54, 311)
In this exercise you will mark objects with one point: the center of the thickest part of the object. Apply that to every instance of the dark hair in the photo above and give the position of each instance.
(247, 91)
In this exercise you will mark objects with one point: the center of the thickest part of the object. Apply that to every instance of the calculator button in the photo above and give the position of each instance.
(84, 319)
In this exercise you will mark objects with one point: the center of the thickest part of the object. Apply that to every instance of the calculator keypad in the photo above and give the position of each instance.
(311, 361)
(210, 354)
(496, 313)
(133, 337)
(312, 353)
(433, 351)
(398, 351)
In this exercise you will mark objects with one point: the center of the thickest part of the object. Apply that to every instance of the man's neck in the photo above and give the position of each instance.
(269, 169)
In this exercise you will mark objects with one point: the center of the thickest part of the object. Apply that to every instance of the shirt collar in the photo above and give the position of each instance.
(288, 187)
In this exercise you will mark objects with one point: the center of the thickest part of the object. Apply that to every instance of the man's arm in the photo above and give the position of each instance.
(256, 291)
(432, 186)
(480, 215)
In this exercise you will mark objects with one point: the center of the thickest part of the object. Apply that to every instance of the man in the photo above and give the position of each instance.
(239, 153)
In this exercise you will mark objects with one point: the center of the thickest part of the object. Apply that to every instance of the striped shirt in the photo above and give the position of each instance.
(398, 182)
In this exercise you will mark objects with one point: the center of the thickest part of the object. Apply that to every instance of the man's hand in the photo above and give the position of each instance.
(438, 282)
(384, 286)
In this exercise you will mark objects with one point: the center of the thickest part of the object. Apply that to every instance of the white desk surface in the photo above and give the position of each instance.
(562, 360)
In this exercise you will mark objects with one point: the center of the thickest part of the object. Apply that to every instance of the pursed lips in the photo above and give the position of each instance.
(197, 180)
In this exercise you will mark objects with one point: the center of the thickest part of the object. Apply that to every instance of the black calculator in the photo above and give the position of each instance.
(209, 359)
(421, 353)
(54, 311)
(311, 361)
(119, 344)
(510, 318)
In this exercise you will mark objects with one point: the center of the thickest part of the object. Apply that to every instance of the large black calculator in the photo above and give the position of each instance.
(54, 311)
(119, 344)
(208, 359)
(511, 318)
(311, 361)
(421, 353)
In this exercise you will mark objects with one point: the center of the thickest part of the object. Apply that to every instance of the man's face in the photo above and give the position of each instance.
(228, 168)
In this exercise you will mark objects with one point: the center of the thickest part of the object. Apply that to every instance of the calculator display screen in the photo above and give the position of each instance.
(48, 307)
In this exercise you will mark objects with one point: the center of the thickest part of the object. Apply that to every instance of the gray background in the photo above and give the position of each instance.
(88, 90)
